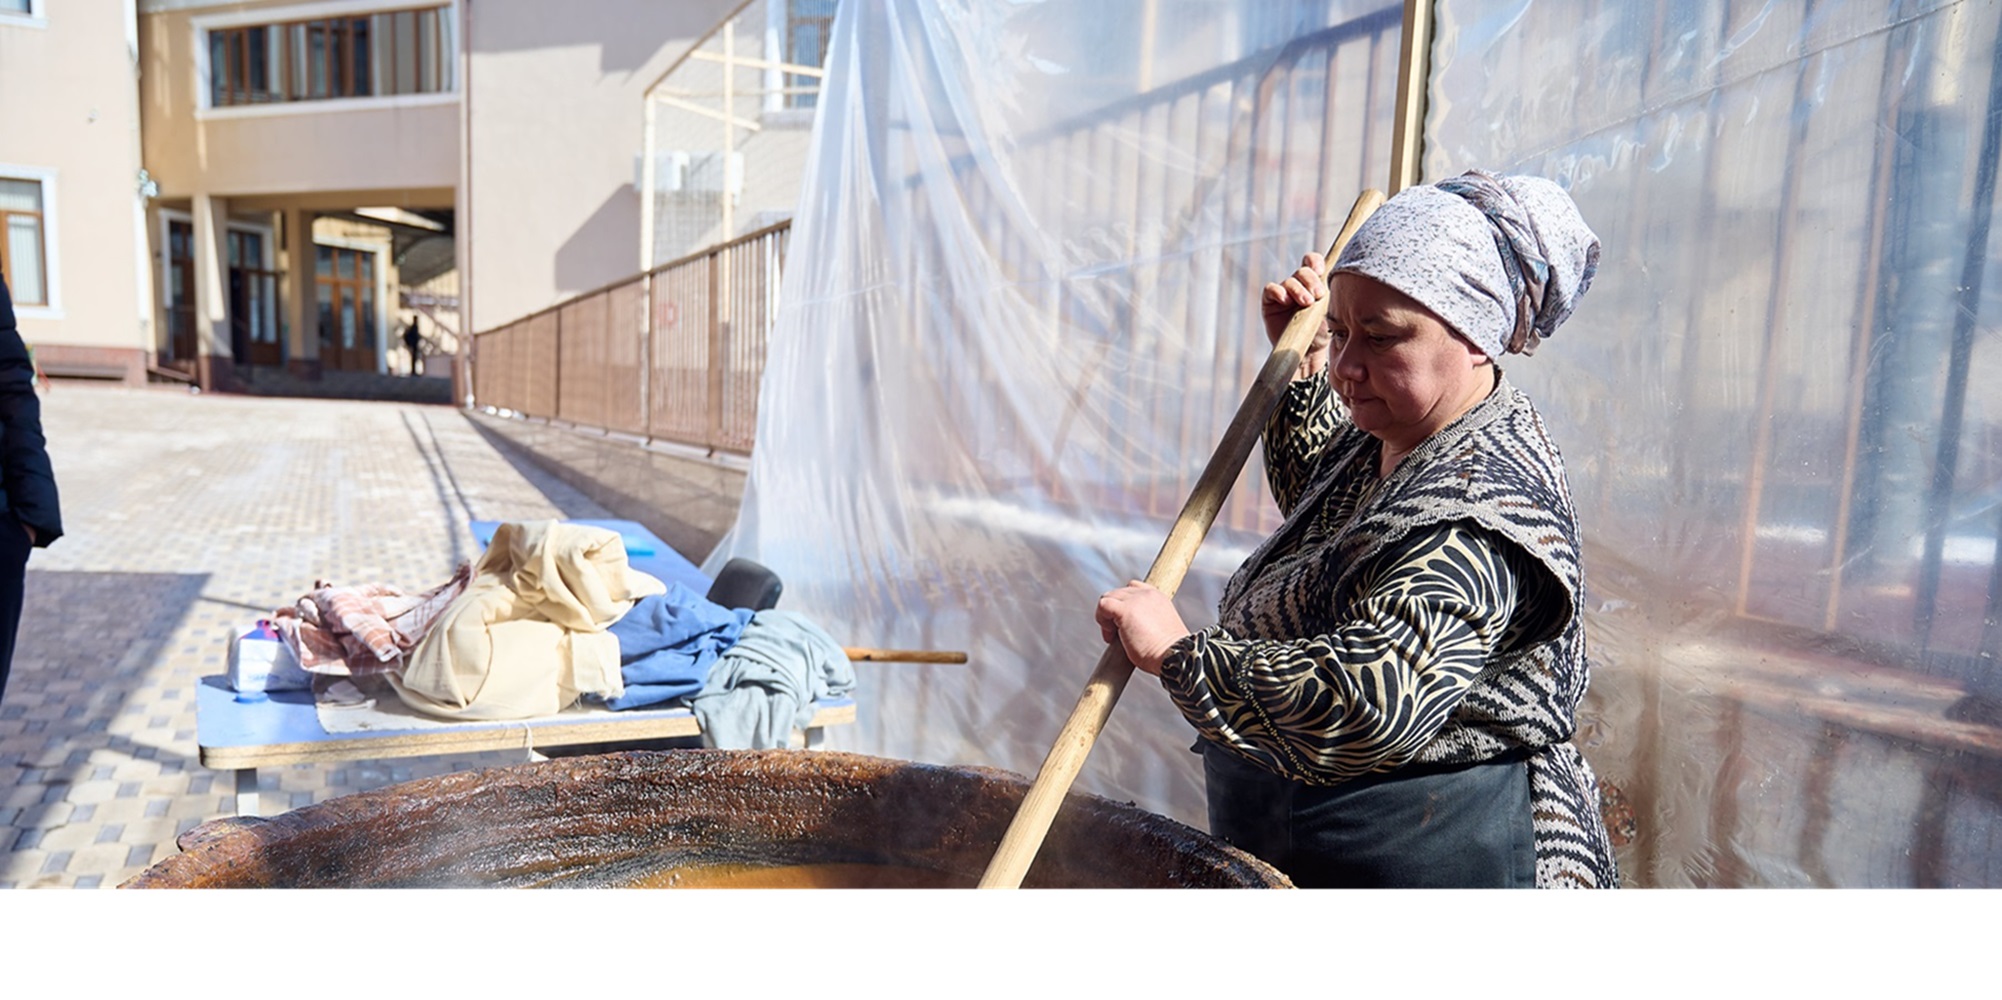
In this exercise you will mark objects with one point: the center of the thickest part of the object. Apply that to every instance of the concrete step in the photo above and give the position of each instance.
(347, 385)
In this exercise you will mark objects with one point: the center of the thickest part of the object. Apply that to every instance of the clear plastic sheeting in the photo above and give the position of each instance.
(1020, 306)
(1781, 405)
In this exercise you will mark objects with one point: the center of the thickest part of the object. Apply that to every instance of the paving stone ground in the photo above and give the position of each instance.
(188, 517)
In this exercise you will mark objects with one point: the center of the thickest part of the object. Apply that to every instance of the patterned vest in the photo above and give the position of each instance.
(1496, 467)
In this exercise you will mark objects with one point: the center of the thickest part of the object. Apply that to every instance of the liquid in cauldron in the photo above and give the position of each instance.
(820, 876)
(751, 817)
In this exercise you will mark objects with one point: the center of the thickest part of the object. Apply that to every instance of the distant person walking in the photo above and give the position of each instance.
(27, 483)
(415, 342)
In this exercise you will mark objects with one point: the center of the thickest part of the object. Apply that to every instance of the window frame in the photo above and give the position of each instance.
(288, 23)
(779, 106)
(52, 305)
(792, 22)
(33, 17)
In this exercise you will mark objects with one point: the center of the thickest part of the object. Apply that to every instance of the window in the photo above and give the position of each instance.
(24, 13)
(23, 260)
(808, 25)
(375, 55)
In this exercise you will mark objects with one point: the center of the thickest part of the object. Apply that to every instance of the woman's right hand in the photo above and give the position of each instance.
(1282, 299)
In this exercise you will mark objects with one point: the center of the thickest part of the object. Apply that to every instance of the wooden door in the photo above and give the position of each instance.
(346, 285)
(253, 302)
(181, 293)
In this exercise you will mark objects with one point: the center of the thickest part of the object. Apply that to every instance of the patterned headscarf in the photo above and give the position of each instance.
(1503, 260)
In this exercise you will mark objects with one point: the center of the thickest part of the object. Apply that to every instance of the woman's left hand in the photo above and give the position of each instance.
(1143, 621)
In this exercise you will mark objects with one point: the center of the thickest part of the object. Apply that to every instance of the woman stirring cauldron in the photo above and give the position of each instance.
(1389, 694)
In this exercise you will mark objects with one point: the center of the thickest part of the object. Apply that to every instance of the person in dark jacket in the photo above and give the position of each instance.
(415, 342)
(27, 482)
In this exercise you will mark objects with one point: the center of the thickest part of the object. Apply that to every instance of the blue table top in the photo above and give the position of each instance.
(279, 717)
(644, 550)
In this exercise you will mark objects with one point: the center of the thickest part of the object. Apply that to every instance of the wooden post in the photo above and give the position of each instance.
(717, 288)
(729, 125)
(1414, 68)
(649, 149)
(1889, 97)
(1060, 768)
(865, 654)
(1769, 359)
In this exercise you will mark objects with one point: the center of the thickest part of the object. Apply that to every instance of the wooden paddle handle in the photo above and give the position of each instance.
(1066, 758)
(904, 655)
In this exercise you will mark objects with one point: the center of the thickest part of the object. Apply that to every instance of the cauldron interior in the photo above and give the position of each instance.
(613, 819)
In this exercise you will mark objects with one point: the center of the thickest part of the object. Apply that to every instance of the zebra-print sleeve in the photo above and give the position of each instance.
(1366, 696)
(1295, 436)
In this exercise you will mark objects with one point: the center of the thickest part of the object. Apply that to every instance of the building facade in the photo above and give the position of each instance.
(206, 191)
(552, 121)
(72, 193)
(306, 155)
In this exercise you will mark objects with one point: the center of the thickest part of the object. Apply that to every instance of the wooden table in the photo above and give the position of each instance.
(283, 727)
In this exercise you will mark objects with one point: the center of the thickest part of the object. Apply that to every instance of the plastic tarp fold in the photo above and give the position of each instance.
(1020, 306)
(1782, 409)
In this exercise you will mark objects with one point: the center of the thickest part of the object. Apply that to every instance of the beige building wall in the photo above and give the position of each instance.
(69, 119)
(552, 116)
(404, 149)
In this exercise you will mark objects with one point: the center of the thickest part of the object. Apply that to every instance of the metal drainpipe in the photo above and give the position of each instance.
(463, 221)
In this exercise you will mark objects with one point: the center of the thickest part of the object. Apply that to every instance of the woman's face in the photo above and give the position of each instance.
(1401, 371)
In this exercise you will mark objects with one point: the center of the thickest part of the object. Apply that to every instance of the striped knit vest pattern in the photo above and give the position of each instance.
(1496, 467)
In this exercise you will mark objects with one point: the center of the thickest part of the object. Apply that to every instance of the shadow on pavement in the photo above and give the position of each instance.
(86, 646)
(688, 503)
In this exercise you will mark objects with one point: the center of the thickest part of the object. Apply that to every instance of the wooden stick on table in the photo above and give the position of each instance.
(1060, 768)
(904, 655)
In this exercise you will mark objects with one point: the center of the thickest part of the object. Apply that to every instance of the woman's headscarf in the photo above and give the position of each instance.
(1503, 260)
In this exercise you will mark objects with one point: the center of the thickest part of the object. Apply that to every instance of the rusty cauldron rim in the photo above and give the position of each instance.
(608, 820)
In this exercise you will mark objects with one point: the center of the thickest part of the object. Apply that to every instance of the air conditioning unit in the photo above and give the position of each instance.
(670, 170)
(701, 170)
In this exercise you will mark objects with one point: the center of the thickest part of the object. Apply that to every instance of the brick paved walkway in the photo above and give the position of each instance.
(190, 516)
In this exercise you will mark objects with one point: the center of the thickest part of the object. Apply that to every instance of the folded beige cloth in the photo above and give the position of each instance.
(528, 635)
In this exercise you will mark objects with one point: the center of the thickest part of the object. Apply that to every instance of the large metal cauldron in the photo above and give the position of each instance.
(615, 819)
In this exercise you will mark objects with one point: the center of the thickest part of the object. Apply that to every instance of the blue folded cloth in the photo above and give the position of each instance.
(764, 687)
(669, 642)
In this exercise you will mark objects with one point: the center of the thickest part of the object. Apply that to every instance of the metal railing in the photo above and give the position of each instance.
(674, 354)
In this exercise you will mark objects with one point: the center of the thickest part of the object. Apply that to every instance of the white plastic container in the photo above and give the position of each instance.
(259, 662)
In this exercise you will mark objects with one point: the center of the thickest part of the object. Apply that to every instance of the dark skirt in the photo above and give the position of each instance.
(1420, 827)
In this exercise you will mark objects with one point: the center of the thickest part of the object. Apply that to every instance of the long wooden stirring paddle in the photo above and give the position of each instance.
(1060, 768)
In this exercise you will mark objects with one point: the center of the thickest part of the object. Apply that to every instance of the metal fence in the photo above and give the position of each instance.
(671, 355)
